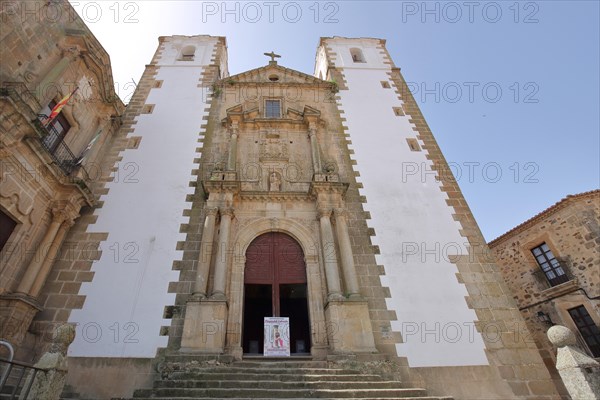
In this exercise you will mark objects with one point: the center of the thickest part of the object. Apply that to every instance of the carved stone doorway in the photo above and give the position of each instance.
(275, 286)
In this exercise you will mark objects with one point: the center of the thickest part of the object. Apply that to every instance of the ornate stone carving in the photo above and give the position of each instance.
(341, 213)
(211, 211)
(227, 211)
(273, 149)
(324, 212)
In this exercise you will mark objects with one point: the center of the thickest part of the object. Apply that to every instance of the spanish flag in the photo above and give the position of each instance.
(59, 106)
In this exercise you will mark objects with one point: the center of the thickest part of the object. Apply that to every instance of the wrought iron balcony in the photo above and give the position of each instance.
(54, 144)
(46, 135)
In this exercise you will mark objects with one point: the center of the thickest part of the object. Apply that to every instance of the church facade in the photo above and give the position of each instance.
(314, 197)
(322, 198)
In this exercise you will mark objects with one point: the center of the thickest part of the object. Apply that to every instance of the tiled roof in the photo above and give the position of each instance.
(536, 218)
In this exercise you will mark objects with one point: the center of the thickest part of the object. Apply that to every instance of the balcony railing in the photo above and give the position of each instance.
(545, 282)
(47, 136)
(16, 377)
(54, 144)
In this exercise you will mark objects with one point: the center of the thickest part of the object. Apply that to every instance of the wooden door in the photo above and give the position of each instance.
(275, 273)
(275, 259)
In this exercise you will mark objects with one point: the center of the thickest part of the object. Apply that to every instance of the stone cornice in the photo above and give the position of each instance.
(328, 187)
(278, 123)
(276, 196)
(212, 186)
(22, 297)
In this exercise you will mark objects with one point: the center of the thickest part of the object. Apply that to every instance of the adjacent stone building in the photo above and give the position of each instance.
(48, 171)
(176, 225)
(551, 263)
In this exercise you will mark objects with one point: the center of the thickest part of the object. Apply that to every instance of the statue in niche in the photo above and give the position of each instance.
(274, 182)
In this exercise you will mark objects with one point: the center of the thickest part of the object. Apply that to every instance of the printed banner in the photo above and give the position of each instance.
(277, 337)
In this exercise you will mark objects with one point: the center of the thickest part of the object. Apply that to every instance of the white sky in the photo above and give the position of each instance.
(540, 132)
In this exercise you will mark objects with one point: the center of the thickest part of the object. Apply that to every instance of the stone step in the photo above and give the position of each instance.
(297, 398)
(187, 357)
(289, 377)
(276, 385)
(268, 371)
(191, 377)
(277, 393)
(270, 363)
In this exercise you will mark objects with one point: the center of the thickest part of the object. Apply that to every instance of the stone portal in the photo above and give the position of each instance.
(275, 286)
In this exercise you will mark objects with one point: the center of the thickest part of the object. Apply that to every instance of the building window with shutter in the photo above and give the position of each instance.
(588, 330)
(272, 108)
(554, 272)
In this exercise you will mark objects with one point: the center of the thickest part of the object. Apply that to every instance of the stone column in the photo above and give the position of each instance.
(314, 147)
(205, 257)
(50, 258)
(220, 281)
(329, 255)
(350, 278)
(35, 266)
(579, 372)
(318, 323)
(231, 161)
(236, 305)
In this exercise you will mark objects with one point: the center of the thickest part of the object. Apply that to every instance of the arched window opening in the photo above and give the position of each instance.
(357, 55)
(188, 52)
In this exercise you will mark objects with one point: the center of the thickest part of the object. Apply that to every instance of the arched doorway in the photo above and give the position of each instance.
(275, 286)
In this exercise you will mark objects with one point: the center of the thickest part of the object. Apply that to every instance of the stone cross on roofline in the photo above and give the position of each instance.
(273, 57)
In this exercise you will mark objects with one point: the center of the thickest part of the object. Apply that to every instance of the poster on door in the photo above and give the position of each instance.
(277, 337)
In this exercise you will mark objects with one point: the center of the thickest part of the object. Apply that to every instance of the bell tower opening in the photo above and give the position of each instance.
(275, 286)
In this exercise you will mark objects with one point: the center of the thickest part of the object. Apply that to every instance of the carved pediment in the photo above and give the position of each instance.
(308, 110)
(273, 74)
(235, 110)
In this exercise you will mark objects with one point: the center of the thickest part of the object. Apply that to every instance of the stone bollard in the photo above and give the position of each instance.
(579, 372)
(48, 384)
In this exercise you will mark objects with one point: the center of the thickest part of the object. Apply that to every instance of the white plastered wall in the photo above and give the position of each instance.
(414, 226)
(142, 214)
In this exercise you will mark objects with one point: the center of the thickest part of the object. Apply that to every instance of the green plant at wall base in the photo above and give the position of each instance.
(81, 183)
(216, 90)
(334, 86)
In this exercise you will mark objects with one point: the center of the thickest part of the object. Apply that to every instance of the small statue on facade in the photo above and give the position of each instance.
(274, 182)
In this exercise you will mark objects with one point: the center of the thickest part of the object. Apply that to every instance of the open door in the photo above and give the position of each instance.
(275, 286)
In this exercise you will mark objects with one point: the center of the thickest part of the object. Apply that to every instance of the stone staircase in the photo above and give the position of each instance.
(273, 379)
